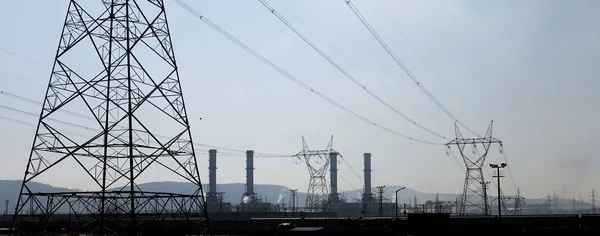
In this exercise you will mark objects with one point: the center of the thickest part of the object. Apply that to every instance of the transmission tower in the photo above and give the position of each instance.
(593, 199)
(317, 162)
(549, 204)
(517, 202)
(474, 197)
(115, 65)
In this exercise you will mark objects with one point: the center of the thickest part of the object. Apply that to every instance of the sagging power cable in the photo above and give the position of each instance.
(291, 77)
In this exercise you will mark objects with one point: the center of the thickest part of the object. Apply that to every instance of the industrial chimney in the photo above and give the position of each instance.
(333, 176)
(367, 196)
(249, 174)
(212, 175)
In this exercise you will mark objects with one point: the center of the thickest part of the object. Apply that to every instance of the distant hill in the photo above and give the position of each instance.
(9, 190)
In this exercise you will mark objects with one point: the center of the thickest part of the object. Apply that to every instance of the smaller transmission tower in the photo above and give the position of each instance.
(474, 197)
(593, 199)
(549, 203)
(317, 162)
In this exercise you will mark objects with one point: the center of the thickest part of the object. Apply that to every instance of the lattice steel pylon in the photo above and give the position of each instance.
(317, 162)
(115, 65)
(474, 197)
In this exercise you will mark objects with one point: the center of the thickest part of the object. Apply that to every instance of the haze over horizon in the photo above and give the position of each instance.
(531, 66)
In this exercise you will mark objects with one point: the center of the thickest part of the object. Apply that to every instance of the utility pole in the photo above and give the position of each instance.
(220, 194)
(397, 201)
(499, 175)
(380, 188)
(486, 211)
(293, 200)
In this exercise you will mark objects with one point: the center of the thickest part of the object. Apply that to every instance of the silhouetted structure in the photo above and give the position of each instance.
(474, 196)
(498, 174)
(212, 177)
(249, 195)
(116, 65)
(593, 199)
(317, 162)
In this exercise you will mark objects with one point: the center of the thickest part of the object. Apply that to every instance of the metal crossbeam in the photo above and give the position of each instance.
(474, 199)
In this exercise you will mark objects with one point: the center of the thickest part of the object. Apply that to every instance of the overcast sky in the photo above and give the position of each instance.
(532, 66)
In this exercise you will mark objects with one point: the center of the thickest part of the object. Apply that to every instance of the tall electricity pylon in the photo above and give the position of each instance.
(317, 162)
(474, 197)
(116, 68)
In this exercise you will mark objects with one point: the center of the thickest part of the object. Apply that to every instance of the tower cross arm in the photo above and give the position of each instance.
(313, 153)
(473, 141)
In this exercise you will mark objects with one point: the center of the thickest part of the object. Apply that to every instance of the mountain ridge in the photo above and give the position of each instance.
(273, 193)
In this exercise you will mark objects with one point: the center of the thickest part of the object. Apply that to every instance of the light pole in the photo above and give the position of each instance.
(498, 175)
(397, 201)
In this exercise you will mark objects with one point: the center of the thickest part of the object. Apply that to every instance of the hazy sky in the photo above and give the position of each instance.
(532, 66)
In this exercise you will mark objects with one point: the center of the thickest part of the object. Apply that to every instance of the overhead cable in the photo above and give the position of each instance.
(404, 68)
(343, 71)
(21, 98)
(438, 75)
(291, 77)
(512, 178)
(352, 169)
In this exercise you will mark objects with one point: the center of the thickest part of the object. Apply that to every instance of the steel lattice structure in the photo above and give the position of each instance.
(317, 162)
(474, 198)
(115, 65)
(512, 205)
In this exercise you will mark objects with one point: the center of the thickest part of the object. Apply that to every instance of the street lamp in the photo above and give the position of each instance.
(498, 175)
(397, 201)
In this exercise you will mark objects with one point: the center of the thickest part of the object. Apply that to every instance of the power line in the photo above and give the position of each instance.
(401, 64)
(342, 70)
(34, 125)
(439, 76)
(87, 117)
(352, 169)
(20, 79)
(24, 57)
(289, 76)
(351, 185)
(197, 151)
(368, 75)
(512, 178)
(14, 96)
(456, 159)
(55, 120)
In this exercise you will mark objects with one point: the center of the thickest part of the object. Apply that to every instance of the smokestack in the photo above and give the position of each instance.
(367, 195)
(212, 175)
(333, 175)
(212, 171)
(249, 173)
